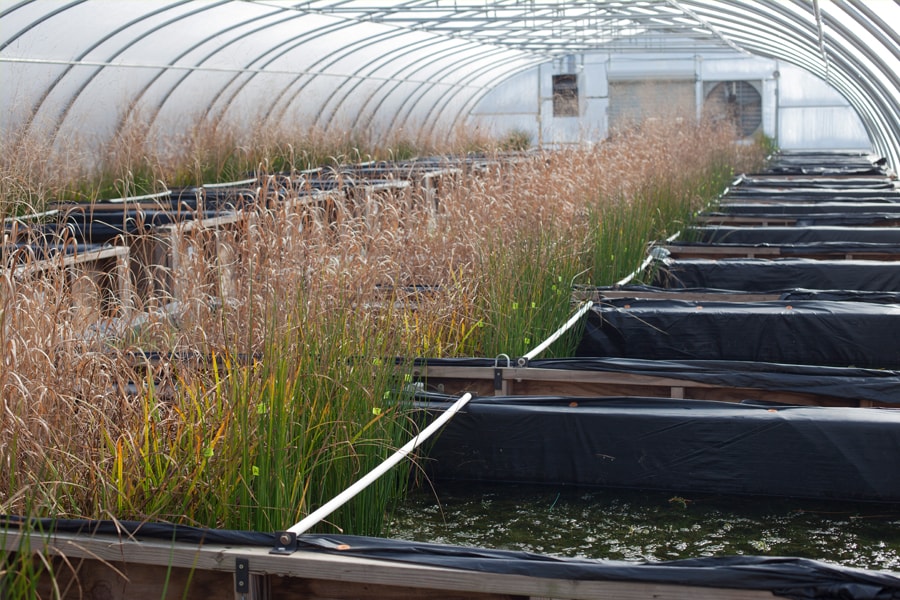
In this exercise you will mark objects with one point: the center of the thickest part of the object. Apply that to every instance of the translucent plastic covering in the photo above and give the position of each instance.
(418, 66)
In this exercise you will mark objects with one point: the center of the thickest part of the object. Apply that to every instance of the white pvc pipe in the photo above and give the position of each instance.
(332, 505)
(342, 498)
(574, 319)
(646, 262)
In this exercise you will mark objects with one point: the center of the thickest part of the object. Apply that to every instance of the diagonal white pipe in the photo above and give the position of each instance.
(332, 505)
(574, 319)
(342, 498)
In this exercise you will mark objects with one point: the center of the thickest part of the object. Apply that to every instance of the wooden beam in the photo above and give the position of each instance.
(119, 568)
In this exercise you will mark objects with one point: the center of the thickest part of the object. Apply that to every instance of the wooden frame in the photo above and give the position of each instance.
(120, 568)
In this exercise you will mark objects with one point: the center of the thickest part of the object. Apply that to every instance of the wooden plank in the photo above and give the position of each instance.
(716, 252)
(600, 295)
(744, 220)
(97, 279)
(711, 251)
(117, 568)
(533, 381)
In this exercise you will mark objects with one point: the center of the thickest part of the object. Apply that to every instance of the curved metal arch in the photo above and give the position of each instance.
(346, 52)
(381, 61)
(873, 86)
(386, 81)
(320, 65)
(412, 100)
(787, 22)
(265, 59)
(447, 97)
(165, 97)
(862, 88)
(330, 29)
(467, 107)
(146, 34)
(866, 51)
(46, 17)
(811, 62)
(424, 62)
(61, 117)
(854, 81)
(888, 37)
(278, 100)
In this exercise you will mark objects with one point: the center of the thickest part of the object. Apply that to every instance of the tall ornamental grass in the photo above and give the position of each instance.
(272, 384)
(525, 293)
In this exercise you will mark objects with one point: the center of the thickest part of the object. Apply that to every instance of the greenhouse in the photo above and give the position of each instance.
(810, 74)
(481, 299)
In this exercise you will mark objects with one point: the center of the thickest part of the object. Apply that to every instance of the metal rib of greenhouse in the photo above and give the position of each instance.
(439, 80)
(775, 25)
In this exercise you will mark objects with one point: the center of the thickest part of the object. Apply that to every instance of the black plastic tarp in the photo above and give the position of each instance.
(786, 577)
(685, 446)
(838, 249)
(757, 196)
(761, 275)
(792, 235)
(811, 193)
(17, 254)
(818, 182)
(826, 163)
(811, 332)
(800, 209)
(693, 293)
(102, 227)
(869, 219)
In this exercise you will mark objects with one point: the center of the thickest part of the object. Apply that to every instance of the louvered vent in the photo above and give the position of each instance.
(738, 101)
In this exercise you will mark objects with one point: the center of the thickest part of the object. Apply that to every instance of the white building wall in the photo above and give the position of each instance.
(799, 110)
(813, 115)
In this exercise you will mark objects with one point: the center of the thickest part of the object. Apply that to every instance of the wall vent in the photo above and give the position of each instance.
(737, 101)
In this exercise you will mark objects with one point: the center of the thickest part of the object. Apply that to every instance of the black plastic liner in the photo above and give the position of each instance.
(806, 220)
(792, 235)
(823, 249)
(813, 194)
(786, 577)
(826, 163)
(842, 296)
(706, 293)
(757, 196)
(878, 385)
(801, 209)
(17, 254)
(685, 446)
(176, 200)
(818, 182)
(761, 275)
(816, 332)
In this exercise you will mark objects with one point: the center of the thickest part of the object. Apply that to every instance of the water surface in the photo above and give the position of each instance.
(631, 525)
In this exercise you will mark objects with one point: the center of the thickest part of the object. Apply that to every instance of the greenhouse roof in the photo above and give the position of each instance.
(409, 63)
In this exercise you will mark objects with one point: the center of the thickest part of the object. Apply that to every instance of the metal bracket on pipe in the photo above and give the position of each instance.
(498, 371)
(285, 543)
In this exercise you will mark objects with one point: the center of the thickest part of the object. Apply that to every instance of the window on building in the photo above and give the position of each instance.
(565, 95)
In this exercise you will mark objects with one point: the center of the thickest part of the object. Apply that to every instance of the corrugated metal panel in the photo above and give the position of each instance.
(633, 101)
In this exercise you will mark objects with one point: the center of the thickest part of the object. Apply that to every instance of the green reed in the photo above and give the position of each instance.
(525, 292)
(622, 228)
(308, 417)
(298, 397)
